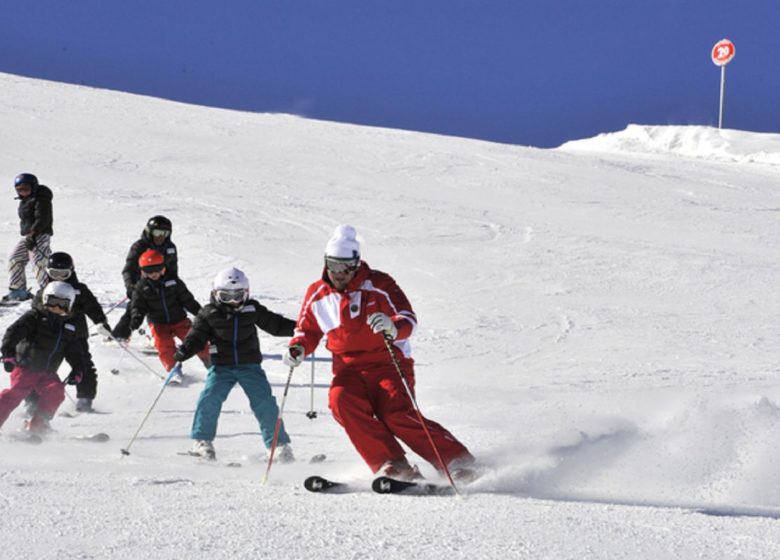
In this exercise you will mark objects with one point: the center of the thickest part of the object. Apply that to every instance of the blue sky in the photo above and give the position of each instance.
(535, 72)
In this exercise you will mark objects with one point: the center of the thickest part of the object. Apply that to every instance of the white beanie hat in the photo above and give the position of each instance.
(343, 244)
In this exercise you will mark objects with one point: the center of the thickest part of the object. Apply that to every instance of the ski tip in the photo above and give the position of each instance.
(314, 483)
(320, 484)
(387, 485)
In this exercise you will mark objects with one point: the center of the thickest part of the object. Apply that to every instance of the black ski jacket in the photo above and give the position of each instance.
(86, 305)
(131, 273)
(35, 213)
(232, 332)
(40, 340)
(165, 301)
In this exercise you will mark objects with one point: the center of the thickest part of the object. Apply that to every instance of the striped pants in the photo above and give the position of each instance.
(20, 256)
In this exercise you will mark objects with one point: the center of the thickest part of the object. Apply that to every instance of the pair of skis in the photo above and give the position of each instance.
(380, 485)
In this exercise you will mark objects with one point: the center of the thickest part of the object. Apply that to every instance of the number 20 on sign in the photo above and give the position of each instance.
(723, 52)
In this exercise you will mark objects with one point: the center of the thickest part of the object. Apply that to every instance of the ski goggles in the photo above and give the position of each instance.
(160, 233)
(230, 296)
(153, 268)
(55, 301)
(338, 266)
(59, 273)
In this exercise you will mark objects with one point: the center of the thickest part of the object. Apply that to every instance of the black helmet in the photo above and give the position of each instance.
(59, 266)
(159, 223)
(26, 179)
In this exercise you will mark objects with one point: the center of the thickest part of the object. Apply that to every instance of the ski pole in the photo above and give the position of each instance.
(312, 414)
(115, 369)
(124, 347)
(126, 450)
(117, 304)
(68, 395)
(444, 468)
(277, 427)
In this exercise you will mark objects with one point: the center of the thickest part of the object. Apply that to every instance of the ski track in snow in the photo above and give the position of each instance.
(598, 323)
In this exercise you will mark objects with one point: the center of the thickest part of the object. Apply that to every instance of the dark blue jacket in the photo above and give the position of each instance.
(165, 301)
(35, 213)
(232, 333)
(40, 340)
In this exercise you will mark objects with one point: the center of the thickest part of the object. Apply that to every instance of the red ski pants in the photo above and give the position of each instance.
(163, 335)
(375, 411)
(23, 382)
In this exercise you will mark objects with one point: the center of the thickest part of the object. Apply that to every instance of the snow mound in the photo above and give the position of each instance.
(687, 141)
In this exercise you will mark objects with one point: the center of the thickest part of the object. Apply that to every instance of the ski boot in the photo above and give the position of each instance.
(203, 448)
(17, 295)
(84, 405)
(400, 469)
(286, 454)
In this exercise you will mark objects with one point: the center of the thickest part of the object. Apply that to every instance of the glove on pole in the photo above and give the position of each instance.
(126, 450)
(388, 339)
(278, 426)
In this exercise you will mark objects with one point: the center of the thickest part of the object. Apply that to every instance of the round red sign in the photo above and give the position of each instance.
(723, 52)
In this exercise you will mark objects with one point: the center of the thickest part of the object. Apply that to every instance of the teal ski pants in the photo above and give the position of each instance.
(219, 383)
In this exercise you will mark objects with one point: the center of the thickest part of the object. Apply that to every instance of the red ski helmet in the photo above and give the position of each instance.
(151, 258)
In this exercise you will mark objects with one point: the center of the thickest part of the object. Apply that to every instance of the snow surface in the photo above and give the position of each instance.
(598, 323)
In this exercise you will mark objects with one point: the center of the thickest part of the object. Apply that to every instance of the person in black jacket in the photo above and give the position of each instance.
(229, 325)
(164, 300)
(156, 235)
(60, 267)
(35, 224)
(33, 349)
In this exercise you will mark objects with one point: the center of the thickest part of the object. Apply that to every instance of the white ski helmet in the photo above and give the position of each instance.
(59, 293)
(231, 286)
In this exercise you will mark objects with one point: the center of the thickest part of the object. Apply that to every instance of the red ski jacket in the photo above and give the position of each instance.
(343, 316)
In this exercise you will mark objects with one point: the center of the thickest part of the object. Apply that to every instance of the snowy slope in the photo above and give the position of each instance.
(598, 323)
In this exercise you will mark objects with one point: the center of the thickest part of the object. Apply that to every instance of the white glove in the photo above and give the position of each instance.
(293, 356)
(379, 322)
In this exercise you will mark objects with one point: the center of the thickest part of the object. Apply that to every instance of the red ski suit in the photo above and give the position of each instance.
(366, 395)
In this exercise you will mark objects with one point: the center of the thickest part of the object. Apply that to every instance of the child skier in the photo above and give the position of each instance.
(33, 349)
(230, 324)
(156, 235)
(35, 224)
(164, 299)
(60, 267)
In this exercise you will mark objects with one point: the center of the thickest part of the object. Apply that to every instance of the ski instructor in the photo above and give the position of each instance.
(357, 307)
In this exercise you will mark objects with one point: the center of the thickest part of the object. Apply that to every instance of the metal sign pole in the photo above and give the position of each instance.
(722, 94)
